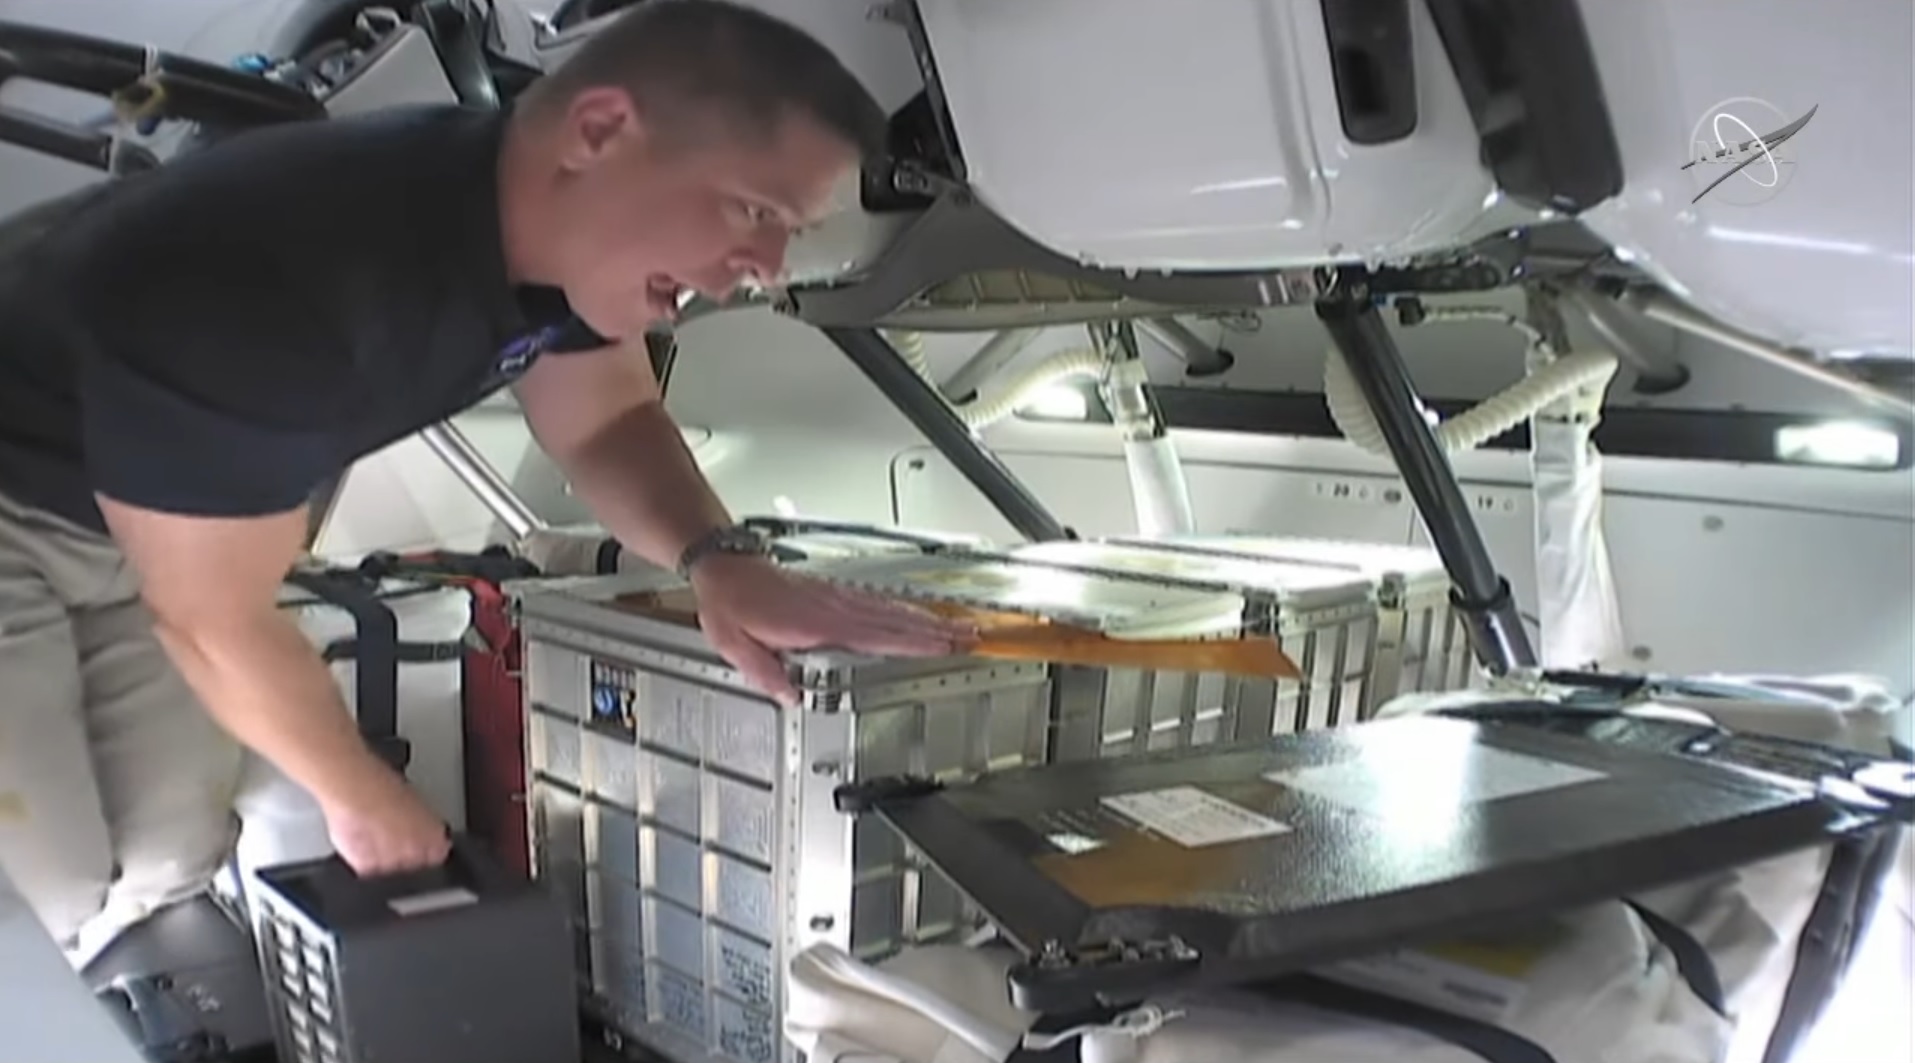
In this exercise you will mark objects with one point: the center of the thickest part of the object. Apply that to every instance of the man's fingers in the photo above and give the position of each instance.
(761, 666)
(902, 617)
(871, 625)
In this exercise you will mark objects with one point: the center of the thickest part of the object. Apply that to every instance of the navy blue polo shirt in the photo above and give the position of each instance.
(221, 335)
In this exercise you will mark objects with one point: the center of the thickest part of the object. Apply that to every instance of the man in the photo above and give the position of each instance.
(188, 353)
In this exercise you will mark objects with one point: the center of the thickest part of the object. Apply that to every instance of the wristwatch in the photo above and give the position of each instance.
(730, 539)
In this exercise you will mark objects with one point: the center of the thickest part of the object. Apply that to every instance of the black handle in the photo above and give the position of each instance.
(338, 899)
(188, 89)
(63, 140)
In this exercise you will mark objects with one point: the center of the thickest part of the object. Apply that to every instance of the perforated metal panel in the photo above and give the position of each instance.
(302, 989)
(1363, 623)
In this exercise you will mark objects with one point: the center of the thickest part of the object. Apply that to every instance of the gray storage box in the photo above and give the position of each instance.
(671, 803)
(465, 963)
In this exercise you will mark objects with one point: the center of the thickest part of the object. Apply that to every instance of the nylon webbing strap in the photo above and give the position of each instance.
(1489, 1042)
(1492, 1044)
(1857, 868)
(606, 561)
(405, 652)
(376, 650)
(1693, 961)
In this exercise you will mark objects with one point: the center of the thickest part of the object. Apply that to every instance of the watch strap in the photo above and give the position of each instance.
(729, 539)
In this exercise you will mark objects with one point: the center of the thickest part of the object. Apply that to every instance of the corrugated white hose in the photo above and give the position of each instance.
(1577, 604)
(983, 412)
(1562, 377)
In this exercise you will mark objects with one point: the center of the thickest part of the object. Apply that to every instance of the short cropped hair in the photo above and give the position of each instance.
(692, 59)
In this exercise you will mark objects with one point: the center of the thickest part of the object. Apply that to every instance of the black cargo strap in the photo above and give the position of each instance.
(605, 563)
(1858, 867)
(1493, 1043)
(375, 651)
(1693, 962)
(493, 565)
(403, 652)
(1487, 1041)
(1490, 1042)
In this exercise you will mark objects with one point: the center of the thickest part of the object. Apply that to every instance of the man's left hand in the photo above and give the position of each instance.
(750, 609)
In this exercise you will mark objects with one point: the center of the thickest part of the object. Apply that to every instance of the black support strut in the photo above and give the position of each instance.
(926, 409)
(1482, 595)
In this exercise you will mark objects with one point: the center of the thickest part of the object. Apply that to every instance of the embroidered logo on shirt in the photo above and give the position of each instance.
(522, 351)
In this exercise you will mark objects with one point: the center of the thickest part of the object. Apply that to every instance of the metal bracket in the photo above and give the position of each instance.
(1480, 593)
(1063, 980)
(857, 798)
(960, 267)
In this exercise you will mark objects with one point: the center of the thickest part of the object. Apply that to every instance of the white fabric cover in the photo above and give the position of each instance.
(1750, 919)
(1577, 605)
(1600, 991)
(932, 1004)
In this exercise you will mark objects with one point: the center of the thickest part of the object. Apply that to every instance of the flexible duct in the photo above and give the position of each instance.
(984, 411)
(1562, 395)
(1559, 379)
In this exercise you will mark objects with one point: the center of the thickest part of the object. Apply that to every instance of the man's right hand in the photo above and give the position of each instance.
(386, 828)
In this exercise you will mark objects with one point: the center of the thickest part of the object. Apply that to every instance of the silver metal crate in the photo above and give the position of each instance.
(1325, 621)
(689, 821)
(1363, 622)
(1421, 642)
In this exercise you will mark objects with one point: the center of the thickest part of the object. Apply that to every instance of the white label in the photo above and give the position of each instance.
(1073, 844)
(435, 901)
(1193, 818)
(1483, 773)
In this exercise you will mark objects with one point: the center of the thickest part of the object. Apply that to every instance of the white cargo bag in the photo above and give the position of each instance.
(1593, 985)
(1751, 920)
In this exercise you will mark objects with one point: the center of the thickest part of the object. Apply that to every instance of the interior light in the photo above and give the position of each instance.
(784, 507)
(1851, 443)
(1057, 403)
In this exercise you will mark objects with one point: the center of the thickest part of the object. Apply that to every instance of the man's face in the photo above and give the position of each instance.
(645, 219)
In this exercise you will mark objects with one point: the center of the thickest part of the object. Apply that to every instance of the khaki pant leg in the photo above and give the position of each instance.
(168, 773)
(54, 841)
(162, 773)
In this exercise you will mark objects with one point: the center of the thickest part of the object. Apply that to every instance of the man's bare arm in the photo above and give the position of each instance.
(599, 415)
(212, 584)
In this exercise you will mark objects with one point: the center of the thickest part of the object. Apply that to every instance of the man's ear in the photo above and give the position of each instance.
(598, 122)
